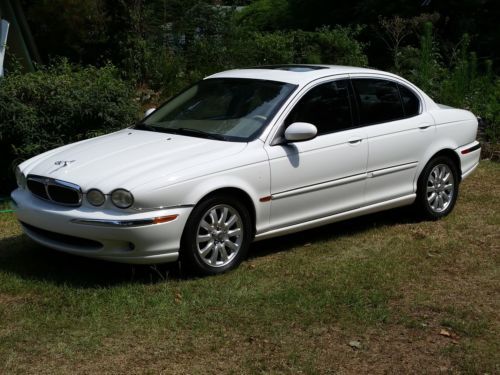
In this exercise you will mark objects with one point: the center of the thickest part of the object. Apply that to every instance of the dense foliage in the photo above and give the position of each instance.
(56, 105)
(157, 47)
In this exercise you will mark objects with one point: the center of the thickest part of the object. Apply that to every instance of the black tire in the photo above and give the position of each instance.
(191, 255)
(430, 209)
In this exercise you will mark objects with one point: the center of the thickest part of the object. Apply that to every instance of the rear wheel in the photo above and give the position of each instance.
(217, 235)
(438, 188)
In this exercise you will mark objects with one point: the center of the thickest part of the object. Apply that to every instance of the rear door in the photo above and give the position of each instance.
(398, 132)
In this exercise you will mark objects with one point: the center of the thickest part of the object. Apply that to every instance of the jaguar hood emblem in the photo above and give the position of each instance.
(62, 164)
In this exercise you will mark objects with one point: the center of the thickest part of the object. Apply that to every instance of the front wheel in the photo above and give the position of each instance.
(217, 235)
(437, 189)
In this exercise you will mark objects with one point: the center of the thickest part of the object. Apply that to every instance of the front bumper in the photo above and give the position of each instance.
(104, 234)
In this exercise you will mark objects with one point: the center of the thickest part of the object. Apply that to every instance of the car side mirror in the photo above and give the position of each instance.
(149, 111)
(300, 131)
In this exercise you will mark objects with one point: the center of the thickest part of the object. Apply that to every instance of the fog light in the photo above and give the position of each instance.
(95, 197)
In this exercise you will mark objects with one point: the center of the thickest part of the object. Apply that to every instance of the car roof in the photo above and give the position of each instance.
(294, 73)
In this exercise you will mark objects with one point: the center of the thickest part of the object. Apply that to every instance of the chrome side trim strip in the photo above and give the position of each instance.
(397, 168)
(343, 181)
(397, 202)
(162, 207)
(320, 186)
(114, 223)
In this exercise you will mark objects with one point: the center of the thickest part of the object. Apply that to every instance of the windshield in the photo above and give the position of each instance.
(230, 109)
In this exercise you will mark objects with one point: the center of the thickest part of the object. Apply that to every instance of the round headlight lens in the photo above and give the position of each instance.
(95, 197)
(122, 198)
(20, 178)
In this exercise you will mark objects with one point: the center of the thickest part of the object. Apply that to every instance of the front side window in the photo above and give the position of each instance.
(326, 106)
(378, 101)
(230, 109)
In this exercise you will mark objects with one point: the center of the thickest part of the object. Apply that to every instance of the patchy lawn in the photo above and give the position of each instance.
(379, 294)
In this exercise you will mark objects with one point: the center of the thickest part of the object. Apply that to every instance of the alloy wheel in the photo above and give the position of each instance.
(219, 235)
(440, 188)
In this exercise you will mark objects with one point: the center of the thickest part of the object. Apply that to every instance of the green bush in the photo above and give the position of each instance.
(462, 82)
(323, 46)
(56, 105)
(168, 69)
(490, 112)
(257, 48)
(478, 90)
(423, 65)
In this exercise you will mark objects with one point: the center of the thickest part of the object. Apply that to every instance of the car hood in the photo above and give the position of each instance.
(129, 158)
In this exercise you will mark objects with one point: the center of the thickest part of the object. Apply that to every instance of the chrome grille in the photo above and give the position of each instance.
(57, 191)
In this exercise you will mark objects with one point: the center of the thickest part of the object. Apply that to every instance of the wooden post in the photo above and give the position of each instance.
(4, 31)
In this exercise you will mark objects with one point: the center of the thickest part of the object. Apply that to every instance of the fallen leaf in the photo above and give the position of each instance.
(355, 344)
(445, 333)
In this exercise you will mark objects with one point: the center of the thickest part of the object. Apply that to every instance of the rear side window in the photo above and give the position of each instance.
(327, 106)
(411, 104)
(378, 100)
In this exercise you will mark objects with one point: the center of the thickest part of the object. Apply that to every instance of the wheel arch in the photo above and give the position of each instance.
(449, 153)
(238, 193)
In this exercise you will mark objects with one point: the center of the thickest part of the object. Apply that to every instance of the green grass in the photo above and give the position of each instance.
(386, 280)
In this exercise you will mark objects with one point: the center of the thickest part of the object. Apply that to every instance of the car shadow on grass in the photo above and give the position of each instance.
(24, 258)
(330, 232)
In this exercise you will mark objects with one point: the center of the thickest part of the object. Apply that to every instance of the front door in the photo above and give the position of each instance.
(325, 175)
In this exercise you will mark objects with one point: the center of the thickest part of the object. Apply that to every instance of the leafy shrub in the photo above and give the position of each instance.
(265, 15)
(490, 112)
(461, 83)
(323, 46)
(423, 65)
(257, 48)
(56, 105)
(477, 90)
(192, 55)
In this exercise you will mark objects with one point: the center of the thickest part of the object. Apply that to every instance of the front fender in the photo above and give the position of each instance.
(252, 179)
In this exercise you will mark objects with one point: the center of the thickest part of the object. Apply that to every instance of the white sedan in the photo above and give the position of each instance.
(246, 155)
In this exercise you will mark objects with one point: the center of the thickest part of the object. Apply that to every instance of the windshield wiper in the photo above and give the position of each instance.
(182, 131)
(146, 127)
(188, 131)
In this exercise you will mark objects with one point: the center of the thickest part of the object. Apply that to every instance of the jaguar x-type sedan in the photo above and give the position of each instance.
(246, 155)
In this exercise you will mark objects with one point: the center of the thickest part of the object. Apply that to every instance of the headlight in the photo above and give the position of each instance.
(95, 197)
(20, 178)
(122, 198)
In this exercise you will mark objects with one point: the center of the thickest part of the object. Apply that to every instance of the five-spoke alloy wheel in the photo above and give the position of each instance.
(217, 235)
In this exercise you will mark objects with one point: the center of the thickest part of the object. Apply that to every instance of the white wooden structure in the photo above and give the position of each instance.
(4, 30)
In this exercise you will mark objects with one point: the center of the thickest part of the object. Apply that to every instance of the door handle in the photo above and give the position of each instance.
(424, 126)
(353, 141)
